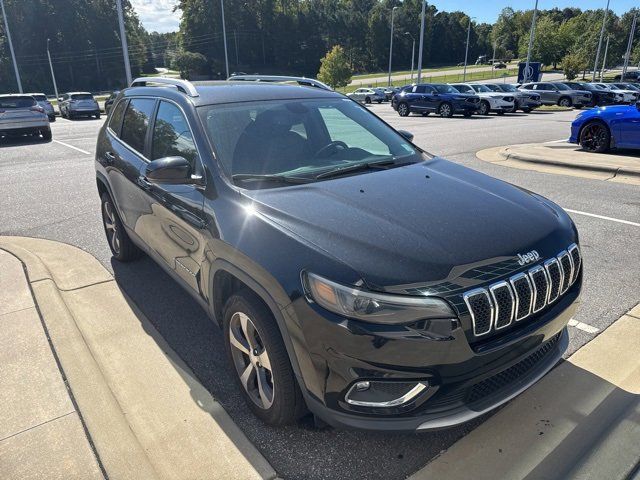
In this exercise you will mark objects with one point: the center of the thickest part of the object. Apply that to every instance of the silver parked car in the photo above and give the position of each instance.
(21, 115)
(367, 95)
(554, 93)
(525, 101)
(44, 102)
(78, 104)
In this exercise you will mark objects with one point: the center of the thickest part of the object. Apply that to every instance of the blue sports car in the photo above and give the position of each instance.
(601, 129)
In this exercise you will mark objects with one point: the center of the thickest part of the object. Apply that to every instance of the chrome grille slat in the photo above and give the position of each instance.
(504, 302)
(554, 274)
(566, 265)
(481, 309)
(523, 294)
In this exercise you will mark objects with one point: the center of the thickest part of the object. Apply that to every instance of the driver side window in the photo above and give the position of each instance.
(171, 135)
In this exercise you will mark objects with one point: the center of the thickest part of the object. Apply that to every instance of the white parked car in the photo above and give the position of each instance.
(21, 115)
(490, 101)
(367, 95)
(628, 96)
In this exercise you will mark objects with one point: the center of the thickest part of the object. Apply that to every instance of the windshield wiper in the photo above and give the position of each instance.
(270, 178)
(379, 164)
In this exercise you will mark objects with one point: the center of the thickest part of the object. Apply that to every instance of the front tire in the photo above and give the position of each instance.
(595, 137)
(445, 110)
(485, 108)
(403, 109)
(121, 245)
(564, 102)
(260, 361)
(46, 134)
(97, 116)
(367, 100)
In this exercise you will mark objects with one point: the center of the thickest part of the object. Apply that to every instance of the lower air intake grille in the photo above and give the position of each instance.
(501, 380)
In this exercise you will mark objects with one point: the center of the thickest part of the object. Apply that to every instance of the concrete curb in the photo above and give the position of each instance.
(146, 413)
(565, 159)
(579, 421)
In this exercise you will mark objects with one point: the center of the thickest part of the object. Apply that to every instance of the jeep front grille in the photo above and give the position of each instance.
(524, 294)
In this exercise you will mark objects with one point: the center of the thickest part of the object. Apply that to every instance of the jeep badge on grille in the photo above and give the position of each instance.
(528, 257)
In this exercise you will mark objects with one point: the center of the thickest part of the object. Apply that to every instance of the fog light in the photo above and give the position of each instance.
(384, 394)
(362, 386)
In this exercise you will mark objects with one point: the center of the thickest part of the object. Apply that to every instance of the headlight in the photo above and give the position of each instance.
(373, 307)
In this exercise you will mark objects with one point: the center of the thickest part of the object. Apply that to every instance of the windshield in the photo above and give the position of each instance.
(40, 98)
(16, 102)
(589, 86)
(628, 86)
(299, 138)
(507, 87)
(480, 88)
(494, 88)
(441, 88)
(81, 96)
(561, 86)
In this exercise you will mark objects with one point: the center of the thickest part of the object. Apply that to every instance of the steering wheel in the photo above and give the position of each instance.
(333, 145)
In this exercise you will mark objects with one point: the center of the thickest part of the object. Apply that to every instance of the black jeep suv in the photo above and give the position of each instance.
(352, 273)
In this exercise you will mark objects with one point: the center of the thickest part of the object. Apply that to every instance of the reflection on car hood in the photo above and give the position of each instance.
(417, 223)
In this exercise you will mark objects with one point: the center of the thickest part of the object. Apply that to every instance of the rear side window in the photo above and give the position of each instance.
(116, 117)
(136, 123)
(420, 89)
(7, 103)
(171, 135)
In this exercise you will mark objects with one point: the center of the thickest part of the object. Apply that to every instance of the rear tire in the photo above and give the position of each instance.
(258, 351)
(367, 100)
(485, 108)
(98, 116)
(122, 247)
(595, 137)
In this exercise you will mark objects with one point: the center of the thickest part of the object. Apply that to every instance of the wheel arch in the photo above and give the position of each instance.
(225, 279)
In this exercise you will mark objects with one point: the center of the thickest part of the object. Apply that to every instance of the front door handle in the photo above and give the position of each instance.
(144, 183)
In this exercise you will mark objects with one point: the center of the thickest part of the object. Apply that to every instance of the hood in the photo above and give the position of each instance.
(417, 225)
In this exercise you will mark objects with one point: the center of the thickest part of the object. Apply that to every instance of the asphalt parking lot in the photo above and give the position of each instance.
(48, 190)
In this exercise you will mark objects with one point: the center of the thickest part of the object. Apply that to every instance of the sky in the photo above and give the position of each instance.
(157, 14)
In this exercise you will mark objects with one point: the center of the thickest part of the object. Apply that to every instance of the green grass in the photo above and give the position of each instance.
(408, 72)
(453, 78)
(553, 108)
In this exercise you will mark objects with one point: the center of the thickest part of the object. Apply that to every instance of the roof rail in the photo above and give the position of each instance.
(183, 85)
(307, 82)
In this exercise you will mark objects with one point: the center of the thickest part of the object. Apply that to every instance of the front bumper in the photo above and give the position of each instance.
(344, 352)
(500, 105)
(581, 100)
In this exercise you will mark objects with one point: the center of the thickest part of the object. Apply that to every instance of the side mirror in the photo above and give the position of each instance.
(407, 135)
(174, 170)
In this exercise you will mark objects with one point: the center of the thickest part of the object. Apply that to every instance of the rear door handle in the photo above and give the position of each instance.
(110, 157)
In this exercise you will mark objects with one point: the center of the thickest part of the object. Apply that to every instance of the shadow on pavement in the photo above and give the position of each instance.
(22, 140)
(299, 451)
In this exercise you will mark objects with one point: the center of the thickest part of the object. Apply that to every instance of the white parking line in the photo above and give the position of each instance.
(71, 146)
(562, 140)
(583, 326)
(627, 222)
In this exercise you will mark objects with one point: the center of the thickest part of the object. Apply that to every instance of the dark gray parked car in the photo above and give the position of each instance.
(78, 104)
(554, 93)
(44, 102)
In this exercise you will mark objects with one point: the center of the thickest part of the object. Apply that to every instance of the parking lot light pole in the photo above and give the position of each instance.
(532, 33)
(393, 11)
(53, 77)
(123, 40)
(604, 24)
(627, 55)
(13, 54)
(466, 52)
(424, 4)
(604, 60)
(413, 51)
(224, 36)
